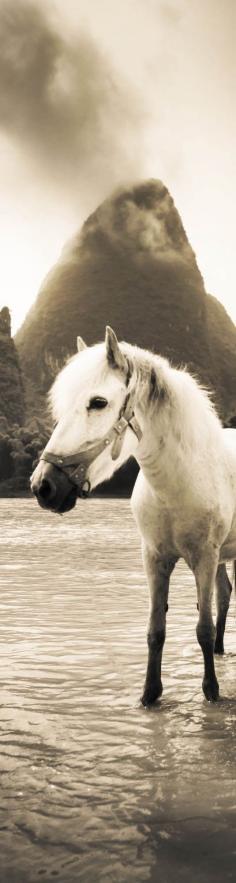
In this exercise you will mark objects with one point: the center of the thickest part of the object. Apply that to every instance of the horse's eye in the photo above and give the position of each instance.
(97, 403)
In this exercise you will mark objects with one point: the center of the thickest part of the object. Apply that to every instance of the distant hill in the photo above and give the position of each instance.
(11, 386)
(131, 266)
(20, 443)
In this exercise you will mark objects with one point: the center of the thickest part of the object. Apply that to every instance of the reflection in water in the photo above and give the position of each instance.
(93, 787)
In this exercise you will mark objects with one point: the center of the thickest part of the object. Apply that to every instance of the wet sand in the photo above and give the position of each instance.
(93, 786)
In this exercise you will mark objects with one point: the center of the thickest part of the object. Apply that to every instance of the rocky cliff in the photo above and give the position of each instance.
(131, 266)
(11, 387)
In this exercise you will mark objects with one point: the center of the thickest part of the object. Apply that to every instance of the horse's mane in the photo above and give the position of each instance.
(173, 394)
(158, 388)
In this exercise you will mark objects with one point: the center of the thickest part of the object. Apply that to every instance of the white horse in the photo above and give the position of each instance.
(115, 400)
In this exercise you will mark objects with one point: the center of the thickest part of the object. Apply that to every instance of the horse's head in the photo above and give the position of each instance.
(96, 429)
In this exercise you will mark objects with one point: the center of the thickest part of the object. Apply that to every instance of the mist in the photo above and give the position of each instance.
(93, 97)
(62, 103)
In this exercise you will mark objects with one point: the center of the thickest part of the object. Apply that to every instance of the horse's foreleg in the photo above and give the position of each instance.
(205, 575)
(158, 573)
(223, 592)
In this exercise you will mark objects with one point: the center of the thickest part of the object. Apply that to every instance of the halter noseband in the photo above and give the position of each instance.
(75, 465)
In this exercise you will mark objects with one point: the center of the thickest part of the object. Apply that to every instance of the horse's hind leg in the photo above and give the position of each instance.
(223, 592)
(158, 573)
(205, 574)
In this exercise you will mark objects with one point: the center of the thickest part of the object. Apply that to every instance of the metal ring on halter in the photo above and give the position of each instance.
(85, 491)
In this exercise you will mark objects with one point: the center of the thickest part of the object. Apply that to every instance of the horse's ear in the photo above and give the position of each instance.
(81, 345)
(115, 357)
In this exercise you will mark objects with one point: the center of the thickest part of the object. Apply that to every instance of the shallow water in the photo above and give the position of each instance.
(93, 786)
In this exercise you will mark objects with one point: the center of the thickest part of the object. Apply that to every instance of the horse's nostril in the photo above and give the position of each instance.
(46, 491)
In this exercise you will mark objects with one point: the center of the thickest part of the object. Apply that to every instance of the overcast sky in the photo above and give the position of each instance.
(96, 94)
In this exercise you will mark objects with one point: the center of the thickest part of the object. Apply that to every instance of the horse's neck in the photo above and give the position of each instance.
(160, 456)
(175, 438)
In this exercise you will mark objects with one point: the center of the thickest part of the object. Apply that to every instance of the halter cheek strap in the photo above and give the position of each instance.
(75, 465)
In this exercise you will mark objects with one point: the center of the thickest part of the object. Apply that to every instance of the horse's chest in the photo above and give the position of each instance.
(156, 524)
(160, 530)
(170, 532)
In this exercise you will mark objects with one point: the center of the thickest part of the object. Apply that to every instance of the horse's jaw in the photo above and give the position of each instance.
(103, 468)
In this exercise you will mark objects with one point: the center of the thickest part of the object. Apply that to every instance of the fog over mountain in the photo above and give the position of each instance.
(131, 266)
(95, 95)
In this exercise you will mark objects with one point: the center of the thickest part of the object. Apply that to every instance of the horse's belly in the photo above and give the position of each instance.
(228, 553)
(182, 530)
(228, 549)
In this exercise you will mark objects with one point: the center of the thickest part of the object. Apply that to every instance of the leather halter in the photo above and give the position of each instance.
(75, 466)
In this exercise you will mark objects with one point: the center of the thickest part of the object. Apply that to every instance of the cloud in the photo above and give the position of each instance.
(62, 102)
(96, 95)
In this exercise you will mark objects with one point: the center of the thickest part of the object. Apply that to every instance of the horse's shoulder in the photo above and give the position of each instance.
(229, 437)
(141, 491)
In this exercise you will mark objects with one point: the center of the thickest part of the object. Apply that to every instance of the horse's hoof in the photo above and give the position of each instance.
(219, 648)
(150, 695)
(211, 690)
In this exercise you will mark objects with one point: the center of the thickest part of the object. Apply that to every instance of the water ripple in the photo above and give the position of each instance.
(93, 787)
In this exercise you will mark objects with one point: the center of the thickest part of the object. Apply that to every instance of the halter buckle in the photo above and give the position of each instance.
(121, 425)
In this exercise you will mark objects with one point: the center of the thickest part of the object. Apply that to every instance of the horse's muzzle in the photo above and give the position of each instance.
(52, 489)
